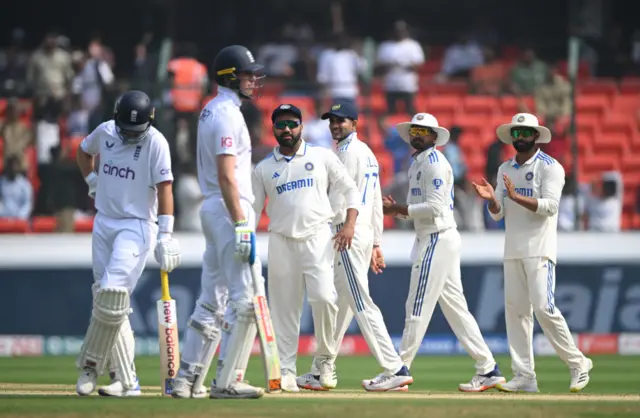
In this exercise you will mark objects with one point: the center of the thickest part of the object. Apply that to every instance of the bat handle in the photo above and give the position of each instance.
(164, 285)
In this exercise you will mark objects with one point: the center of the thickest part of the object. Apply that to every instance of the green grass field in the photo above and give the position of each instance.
(44, 386)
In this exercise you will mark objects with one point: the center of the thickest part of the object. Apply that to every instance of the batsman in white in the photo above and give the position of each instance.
(527, 195)
(296, 179)
(435, 274)
(228, 223)
(132, 191)
(351, 266)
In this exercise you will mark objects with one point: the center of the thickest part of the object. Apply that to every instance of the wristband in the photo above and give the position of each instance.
(165, 224)
(90, 177)
(376, 245)
(242, 223)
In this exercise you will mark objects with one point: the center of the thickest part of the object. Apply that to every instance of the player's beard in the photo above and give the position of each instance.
(418, 144)
(523, 146)
(288, 142)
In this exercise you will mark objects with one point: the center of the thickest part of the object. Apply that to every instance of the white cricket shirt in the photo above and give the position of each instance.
(430, 196)
(128, 173)
(222, 130)
(362, 166)
(531, 234)
(297, 189)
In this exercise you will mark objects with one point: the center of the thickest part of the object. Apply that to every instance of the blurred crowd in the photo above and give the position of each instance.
(56, 94)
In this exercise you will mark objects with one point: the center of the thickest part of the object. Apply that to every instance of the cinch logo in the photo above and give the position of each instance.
(121, 172)
(293, 185)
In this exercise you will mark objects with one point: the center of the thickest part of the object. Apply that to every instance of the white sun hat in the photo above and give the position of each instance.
(526, 120)
(427, 120)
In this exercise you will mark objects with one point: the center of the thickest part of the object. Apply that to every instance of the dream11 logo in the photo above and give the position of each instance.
(122, 172)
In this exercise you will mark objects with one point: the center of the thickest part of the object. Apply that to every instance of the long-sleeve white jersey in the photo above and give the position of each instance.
(430, 196)
(222, 130)
(297, 189)
(531, 234)
(362, 166)
(128, 173)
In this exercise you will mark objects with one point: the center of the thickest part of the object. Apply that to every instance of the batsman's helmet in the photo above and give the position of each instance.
(133, 115)
(231, 61)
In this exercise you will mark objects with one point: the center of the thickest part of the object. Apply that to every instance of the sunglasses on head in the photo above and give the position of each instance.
(291, 124)
(421, 131)
(522, 132)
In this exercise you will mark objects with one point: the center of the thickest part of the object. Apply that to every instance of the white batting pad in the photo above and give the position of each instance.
(236, 348)
(122, 355)
(211, 336)
(110, 310)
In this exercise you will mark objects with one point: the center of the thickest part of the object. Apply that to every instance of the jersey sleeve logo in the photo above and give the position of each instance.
(437, 183)
(226, 142)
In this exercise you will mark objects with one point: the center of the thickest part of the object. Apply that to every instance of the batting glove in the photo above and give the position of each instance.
(92, 182)
(167, 252)
(245, 242)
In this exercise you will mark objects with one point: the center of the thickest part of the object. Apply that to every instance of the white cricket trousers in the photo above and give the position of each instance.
(296, 266)
(352, 285)
(119, 251)
(529, 286)
(435, 277)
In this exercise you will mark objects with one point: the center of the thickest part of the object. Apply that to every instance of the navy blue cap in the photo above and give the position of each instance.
(286, 108)
(342, 110)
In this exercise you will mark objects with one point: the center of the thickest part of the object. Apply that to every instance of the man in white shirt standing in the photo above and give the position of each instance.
(398, 60)
(352, 265)
(228, 222)
(527, 195)
(132, 190)
(435, 275)
(296, 179)
(339, 69)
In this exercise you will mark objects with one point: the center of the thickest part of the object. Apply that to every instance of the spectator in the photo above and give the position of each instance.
(572, 201)
(339, 68)
(13, 67)
(398, 61)
(553, 99)
(494, 160)
(302, 81)
(604, 209)
(253, 118)
(488, 78)
(528, 74)
(279, 56)
(454, 155)
(460, 58)
(16, 134)
(189, 198)
(16, 192)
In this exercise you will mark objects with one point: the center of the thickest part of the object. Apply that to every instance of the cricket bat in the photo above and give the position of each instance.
(167, 337)
(268, 347)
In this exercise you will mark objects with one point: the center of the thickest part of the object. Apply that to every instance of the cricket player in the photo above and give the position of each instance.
(296, 179)
(132, 188)
(435, 275)
(351, 265)
(224, 312)
(527, 196)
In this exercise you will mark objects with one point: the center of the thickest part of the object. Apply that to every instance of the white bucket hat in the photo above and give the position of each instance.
(428, 121)
(527, 120)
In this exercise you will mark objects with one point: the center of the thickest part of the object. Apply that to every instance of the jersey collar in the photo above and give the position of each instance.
(348, 139)
(227, 93)
(424, 154)
(515, 164)
(301, 151)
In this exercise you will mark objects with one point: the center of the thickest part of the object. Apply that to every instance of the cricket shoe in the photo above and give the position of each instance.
(289, 384)
(183, 389)
(236, 390)
(482, 382)
(519, 383)
(117, 389)
(389, 383)
(580, 377)
(87, 381)
(310, 381)
(328, 377)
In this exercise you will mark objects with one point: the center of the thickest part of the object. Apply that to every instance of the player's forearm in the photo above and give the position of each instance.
(495, 209)
(231, 197)
(85, 162)
(165, 198)
(352, 215)
(530, 203)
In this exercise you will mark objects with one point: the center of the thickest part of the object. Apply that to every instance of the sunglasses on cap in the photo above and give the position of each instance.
(421, 131)
(524, 132)
(291, 124)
